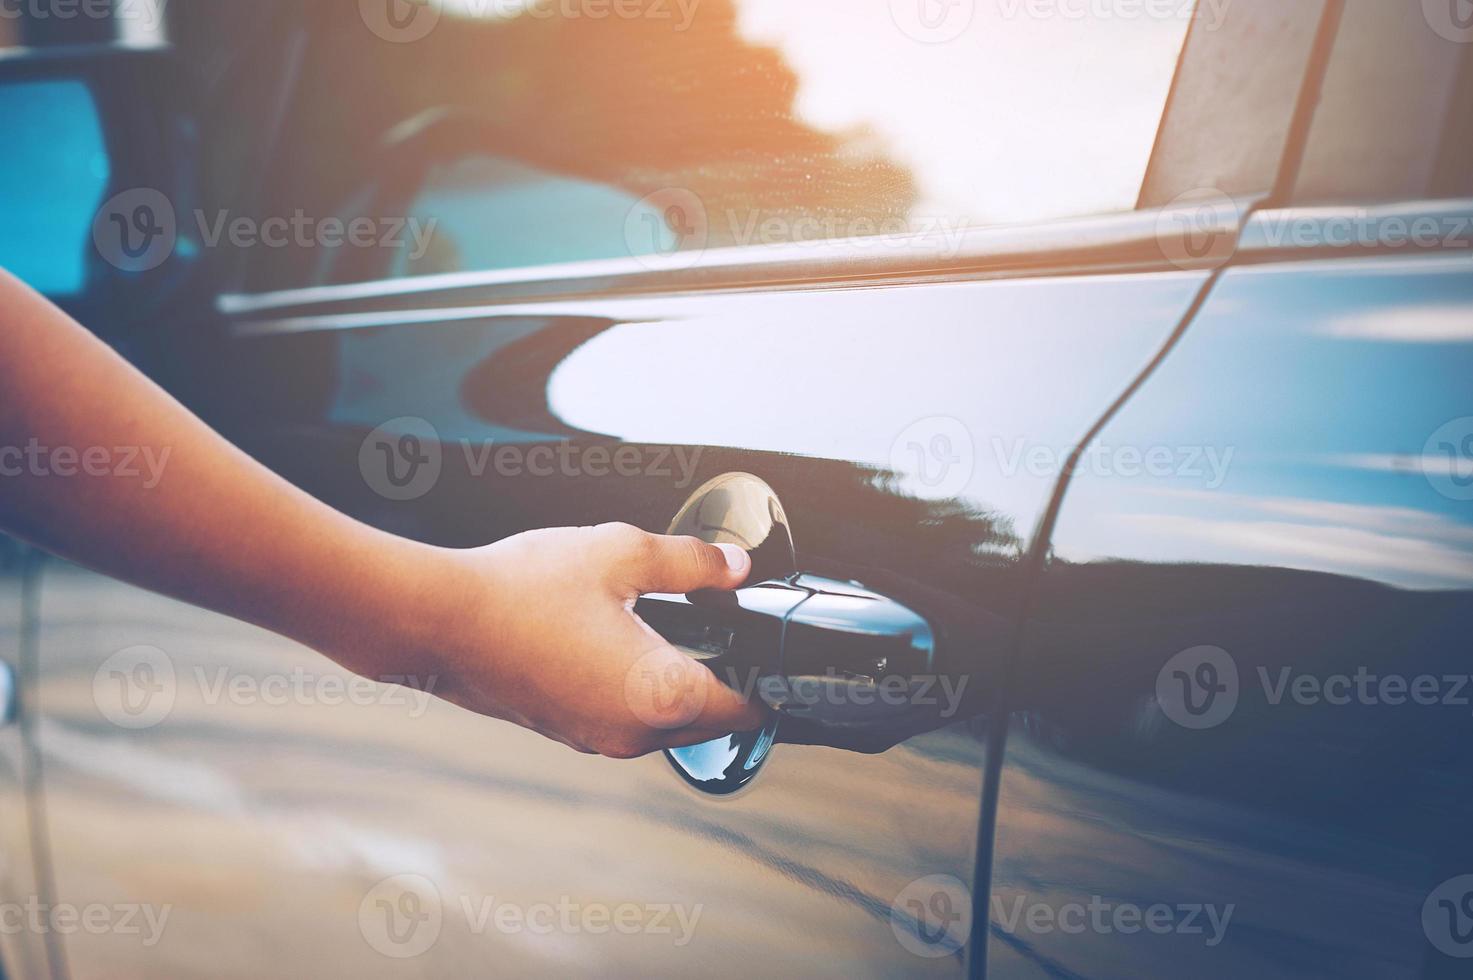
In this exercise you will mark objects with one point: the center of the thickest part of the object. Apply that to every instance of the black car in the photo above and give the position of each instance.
(1092, 383)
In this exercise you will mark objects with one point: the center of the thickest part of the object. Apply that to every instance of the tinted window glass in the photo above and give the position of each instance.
(527, 132)
(52, 177)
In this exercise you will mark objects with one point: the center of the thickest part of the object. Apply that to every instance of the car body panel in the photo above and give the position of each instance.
(1316, 816)
(267, 825)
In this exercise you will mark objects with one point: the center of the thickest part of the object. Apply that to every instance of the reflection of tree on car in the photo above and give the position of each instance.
(628, 103)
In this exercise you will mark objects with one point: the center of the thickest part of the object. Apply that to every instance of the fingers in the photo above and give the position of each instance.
(725, 710)
(660, 563)
(677, 701)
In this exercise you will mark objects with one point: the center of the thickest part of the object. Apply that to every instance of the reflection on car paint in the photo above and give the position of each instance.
(1219, 701)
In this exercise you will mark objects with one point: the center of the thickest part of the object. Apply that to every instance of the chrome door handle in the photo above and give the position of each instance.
(832, 653)
(852, 658)
(823, 654)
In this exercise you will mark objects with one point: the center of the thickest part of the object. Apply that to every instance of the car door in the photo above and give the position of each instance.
(1243, 693)
(904, 402)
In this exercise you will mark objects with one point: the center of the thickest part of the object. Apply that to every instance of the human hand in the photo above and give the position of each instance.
(540, 630)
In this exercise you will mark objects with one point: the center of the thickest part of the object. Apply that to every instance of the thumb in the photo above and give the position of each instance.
(685, 564)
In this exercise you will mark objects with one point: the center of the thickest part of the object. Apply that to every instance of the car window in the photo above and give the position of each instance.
(507, 134)
(558, 218)
(1391, 106)
(52, 178)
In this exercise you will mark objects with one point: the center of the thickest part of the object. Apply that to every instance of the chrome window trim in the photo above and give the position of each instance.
(1132, 242)
(1126, 242)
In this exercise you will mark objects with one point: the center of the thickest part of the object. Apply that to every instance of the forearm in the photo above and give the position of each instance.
(100, 465)
(537, 629)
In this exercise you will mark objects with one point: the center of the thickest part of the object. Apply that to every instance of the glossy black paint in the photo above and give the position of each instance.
(776, 385)
(1192, 728)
